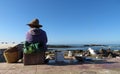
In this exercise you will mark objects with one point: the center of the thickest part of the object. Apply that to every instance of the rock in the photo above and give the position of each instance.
(92, 52)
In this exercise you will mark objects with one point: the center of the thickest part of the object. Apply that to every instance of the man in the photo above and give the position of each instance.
(36, 39)
(36, 34)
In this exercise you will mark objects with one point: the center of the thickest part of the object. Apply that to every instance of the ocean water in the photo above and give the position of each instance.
(82, 47)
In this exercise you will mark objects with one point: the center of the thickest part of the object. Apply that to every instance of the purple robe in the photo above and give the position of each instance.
(35, 35)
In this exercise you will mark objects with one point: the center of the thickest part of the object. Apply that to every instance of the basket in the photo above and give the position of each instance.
(11, 57)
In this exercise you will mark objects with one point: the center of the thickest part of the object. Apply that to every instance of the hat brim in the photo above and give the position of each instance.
(39, 25)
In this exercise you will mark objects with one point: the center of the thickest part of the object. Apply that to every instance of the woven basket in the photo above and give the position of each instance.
(11, 57)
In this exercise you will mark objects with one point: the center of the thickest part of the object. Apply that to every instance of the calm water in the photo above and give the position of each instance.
(82, 47)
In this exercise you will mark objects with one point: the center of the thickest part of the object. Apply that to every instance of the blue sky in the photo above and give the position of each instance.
(65, 21)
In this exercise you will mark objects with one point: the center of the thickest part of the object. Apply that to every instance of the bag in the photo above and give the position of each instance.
(34, 58)
(32, 48)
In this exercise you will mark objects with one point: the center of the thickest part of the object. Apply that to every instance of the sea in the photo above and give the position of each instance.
(83, 47)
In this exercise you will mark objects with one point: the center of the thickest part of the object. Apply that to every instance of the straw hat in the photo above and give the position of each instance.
(34, 23)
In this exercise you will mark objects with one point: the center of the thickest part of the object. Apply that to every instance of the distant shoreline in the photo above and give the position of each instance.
(72, 47)
(5, 46)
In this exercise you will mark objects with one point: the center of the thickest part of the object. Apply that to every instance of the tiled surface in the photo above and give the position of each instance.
(111, 67)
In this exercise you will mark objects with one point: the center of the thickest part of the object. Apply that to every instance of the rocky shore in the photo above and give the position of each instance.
(101, 53)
